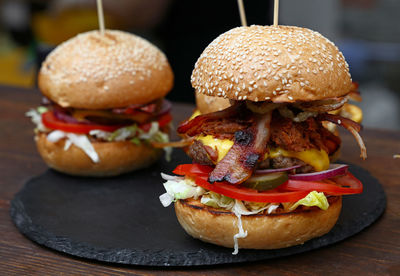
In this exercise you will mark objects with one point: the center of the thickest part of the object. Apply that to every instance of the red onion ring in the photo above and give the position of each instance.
(165, 107)
(266, 171)
(334, 170)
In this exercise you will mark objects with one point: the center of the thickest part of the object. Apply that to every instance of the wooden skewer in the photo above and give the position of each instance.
(242, 13)
(100, 15)
(276, 12)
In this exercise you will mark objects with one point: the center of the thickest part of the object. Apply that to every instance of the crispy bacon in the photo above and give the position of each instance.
(190, 127)
(248, 147)
(177, 144)
(348, 124)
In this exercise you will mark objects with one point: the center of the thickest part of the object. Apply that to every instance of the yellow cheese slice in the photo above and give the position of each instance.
(319, 159)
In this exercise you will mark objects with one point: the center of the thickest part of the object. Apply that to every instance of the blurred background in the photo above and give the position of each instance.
(367, 32)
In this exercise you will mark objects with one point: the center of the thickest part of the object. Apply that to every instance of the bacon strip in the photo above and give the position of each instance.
(348, 124)
(248, 147)
(189, 127)
(178, 144)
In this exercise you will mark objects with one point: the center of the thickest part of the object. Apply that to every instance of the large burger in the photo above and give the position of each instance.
(261, 175)
(104, 104)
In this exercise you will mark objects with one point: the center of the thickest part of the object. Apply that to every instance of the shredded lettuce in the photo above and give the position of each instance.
(180, 189)
(217, 200)
(36, 118)
(240, 235)
(123, 133)
(81, 141)
(272, 208)
(149, 135)
(135, 135)
(314, 198)
(42, 109)
(120, 134)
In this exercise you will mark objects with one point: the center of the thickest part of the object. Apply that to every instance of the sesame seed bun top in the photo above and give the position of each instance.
(280, 64)
(95, 71)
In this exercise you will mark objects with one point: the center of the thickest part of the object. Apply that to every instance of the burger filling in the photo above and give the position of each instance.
(267, 158)
(138, 124)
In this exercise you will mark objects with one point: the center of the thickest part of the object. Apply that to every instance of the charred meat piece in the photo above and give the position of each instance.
(198, 153)
(285, 162)
(301, 136)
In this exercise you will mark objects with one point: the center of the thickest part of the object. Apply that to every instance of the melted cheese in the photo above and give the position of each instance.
(222, 146)
(195, 114)
(319, 159)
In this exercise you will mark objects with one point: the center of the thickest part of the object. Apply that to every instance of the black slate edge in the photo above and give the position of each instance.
(170, 258)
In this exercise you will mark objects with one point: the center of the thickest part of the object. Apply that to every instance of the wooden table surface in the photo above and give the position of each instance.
(374, 251)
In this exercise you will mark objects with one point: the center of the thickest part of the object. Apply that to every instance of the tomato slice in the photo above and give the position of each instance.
(193, 170)
(247, 194)
(162, 121)
(165, 119)
(51, 121)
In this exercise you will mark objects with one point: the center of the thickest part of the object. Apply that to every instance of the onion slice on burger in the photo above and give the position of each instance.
(348, 124)
(266, 171)
(334, 170)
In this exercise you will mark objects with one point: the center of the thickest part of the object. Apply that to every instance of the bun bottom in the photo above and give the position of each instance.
(263, 231)
(115, 157)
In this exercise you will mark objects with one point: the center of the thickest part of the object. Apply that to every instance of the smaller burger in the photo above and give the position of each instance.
(104, 104)
(262, 175)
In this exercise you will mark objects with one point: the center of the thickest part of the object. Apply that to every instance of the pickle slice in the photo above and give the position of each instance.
(266, 181)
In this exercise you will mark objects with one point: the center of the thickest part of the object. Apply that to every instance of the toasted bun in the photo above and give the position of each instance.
(95, 71)
(281, 64)
(264, 231)
(207, 104)
(115, 157)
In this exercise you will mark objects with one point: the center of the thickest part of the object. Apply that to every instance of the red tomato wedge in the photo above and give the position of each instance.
(345, 185)
(241, 193)
(51, 121)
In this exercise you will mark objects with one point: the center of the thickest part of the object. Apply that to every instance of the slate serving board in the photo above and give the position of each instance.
(120, 219)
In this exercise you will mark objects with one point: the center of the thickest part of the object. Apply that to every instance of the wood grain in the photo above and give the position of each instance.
(374, 251)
